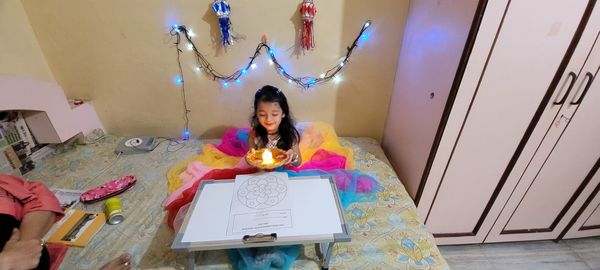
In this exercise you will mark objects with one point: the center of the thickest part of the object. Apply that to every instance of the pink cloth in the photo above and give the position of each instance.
(231, 144)
(322, 160)
(194, 172)
(344, 182)
(19, 197)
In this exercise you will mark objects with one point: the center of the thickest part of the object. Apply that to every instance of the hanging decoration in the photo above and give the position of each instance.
(305, 81)
(222, 10)
(308, 12)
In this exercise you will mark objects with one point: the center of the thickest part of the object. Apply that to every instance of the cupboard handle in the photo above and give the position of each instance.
(587, 87)
(562, 100)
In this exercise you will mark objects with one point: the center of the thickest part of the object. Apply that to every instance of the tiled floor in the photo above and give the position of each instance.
(574, 254)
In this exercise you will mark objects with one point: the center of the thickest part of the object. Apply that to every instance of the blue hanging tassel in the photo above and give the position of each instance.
(222, 9)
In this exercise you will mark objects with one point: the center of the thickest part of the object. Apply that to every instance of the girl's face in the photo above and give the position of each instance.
(269, 115)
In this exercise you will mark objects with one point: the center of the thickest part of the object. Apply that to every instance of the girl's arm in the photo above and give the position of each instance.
(295, 156)
(251, 144)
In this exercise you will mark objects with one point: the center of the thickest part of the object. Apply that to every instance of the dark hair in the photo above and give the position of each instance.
(288, 133)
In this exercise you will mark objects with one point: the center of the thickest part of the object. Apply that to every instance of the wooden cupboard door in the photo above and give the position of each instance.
(523, 61)
(587, 220)
(547, 132)
(551, 194)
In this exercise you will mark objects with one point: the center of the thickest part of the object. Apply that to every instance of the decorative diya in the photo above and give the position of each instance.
(266, 158)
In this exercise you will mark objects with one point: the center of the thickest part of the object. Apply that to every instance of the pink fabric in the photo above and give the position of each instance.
(19, 197)
(322, 160)
(232, 145)
(57, 253)
(343, 181)
(194, 172)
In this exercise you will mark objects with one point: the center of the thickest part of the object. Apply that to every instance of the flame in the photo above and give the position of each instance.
(267, 157)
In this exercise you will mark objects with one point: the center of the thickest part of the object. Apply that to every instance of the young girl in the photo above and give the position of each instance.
(272, 124)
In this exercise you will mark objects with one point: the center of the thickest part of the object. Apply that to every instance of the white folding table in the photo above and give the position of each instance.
(317, 217)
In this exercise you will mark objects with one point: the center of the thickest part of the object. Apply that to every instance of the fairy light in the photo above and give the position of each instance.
(337, 79)
(303, 81)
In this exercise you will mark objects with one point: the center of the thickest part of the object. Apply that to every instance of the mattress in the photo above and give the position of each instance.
(386, 233)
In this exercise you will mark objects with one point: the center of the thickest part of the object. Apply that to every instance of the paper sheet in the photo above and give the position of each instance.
(260, 204)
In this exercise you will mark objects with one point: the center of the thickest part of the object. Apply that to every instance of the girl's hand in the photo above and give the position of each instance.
(291, 156)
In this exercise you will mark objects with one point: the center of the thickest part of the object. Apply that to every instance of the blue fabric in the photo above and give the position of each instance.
(275, 258)
(350, 184)
(242, 134)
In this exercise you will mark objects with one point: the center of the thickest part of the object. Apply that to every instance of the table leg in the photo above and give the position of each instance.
(326, 250)
(192, 260)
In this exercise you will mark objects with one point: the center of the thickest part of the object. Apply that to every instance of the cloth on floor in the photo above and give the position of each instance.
(319, 146)
(260, 258)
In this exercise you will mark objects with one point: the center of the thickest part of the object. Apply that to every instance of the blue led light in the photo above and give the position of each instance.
(178, 80)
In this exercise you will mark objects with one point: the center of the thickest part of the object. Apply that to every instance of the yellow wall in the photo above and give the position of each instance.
(20, 53)
(118, 53)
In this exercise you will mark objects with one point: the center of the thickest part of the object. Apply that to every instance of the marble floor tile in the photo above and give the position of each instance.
(572, 254)
(588, 249)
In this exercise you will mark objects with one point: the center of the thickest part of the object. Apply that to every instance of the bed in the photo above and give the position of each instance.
(386, 233)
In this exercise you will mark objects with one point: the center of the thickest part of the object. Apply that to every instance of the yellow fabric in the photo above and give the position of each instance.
(210, 157)
(320, 135)
(173, 180)
(316, 136)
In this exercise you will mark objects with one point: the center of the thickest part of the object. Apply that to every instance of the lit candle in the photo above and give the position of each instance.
(267, 157)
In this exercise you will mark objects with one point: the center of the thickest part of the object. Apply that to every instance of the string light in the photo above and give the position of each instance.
(253, 66)
(303, 81)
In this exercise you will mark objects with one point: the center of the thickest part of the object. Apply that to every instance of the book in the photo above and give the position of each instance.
(76, 228)
(24, 133)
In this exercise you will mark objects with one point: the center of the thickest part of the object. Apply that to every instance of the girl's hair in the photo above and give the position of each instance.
(288, 133)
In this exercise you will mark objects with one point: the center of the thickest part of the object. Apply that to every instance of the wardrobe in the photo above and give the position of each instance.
(511, 147)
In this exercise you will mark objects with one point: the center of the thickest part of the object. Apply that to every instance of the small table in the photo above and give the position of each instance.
(316, 214)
